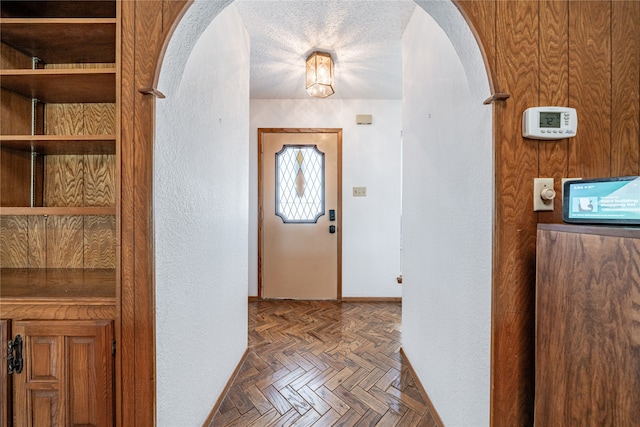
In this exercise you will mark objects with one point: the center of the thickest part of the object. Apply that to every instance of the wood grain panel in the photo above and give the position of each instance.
(71, 85)
(58, 294)
(56, 40)
(553, 160)
(99, 180)
(99, 241)
(64, 180)
(590, 87)
(516, 166)
(481, 16)
(64, 119)
(15, 177)
(142, 40)
(37, 241)
(126, 333)
(38, 182)
(99, 65)
(59, 309)
(99, 119)
(171, 11)
(65, 239)
(10, 58)
(43, 358)
(14, 249)
(58, 211)
(90, 377)
(625, 69)
(148, 32)
(42, 284)
(15, 114)
(588, 342)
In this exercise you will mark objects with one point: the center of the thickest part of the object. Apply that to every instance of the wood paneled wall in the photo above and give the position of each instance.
(584, 54)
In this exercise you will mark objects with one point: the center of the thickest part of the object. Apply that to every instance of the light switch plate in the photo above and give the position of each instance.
(539, 185)
(359, 191)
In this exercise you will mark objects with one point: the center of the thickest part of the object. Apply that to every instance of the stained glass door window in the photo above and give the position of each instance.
(299, 183)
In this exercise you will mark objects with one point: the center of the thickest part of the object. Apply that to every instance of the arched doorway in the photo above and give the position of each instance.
(185, 39)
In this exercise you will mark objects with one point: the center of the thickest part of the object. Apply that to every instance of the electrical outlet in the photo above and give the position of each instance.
(359, 191)
(543, 194)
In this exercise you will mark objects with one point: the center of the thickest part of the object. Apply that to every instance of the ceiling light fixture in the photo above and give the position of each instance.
(320, 75)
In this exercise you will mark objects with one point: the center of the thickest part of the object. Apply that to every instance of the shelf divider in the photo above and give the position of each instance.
(60, 210)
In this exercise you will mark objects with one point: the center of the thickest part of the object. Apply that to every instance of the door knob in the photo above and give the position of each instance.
(332, 229)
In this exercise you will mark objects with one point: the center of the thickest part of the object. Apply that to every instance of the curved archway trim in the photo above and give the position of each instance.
(147, 27)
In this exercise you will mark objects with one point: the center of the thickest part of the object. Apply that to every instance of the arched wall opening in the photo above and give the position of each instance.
(202, 214)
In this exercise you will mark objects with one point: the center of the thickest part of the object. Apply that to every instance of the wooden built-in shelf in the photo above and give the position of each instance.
(61, 144)
(63, 210)
(57, 283)
(58, 8)
(57, 293)
(56, 40)
(85, 85)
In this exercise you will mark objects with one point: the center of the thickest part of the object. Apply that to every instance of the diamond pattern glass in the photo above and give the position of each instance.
(300, 183)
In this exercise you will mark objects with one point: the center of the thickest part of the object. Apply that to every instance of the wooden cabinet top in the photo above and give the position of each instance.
(602, 230)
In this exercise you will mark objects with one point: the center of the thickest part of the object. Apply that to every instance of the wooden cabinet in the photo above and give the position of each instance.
(5, 386)
(67, 332)
(587, 326)
(59, 208)
(67, 377)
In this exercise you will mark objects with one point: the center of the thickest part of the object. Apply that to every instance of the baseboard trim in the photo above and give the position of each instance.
(371, 299)
(227, 387)
(348, 299)
(432, 409)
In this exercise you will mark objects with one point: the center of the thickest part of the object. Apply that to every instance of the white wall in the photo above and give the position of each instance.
(447, 217)
(200, 211)
(371, 158)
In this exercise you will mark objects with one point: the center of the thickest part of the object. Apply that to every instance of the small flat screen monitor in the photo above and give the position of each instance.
(602, 201)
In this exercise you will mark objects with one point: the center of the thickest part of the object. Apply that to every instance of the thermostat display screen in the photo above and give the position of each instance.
(549, 120)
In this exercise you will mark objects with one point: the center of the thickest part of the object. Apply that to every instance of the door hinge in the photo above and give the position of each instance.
(113, 347)
(14, 355)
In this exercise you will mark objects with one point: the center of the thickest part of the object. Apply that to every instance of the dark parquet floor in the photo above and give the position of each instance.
(321, 364)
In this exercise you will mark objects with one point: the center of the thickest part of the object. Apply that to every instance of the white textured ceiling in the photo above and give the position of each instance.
(364, 38)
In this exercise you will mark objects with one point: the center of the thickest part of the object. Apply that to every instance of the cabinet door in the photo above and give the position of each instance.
(67, 378)
(4, 377)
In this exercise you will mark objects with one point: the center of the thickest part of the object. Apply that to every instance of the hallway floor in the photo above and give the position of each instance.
(322, 363)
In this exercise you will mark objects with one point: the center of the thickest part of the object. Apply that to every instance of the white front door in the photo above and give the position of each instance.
(300, 213)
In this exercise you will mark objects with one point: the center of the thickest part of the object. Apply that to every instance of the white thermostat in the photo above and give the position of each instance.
(549, 122)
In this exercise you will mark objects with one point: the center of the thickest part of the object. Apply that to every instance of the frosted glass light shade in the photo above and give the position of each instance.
(320, 75)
